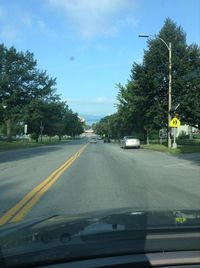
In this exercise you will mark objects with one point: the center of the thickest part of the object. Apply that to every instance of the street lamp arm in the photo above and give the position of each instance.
(155, 36)
(164, 42)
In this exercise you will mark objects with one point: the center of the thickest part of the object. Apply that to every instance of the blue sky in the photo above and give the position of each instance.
(90, 45)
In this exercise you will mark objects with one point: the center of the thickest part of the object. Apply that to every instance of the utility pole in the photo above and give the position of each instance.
(170, 94)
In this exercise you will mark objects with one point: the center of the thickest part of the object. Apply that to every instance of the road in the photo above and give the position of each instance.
(79, 177)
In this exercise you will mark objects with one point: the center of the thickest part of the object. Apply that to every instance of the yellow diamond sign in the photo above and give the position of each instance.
(175, 122)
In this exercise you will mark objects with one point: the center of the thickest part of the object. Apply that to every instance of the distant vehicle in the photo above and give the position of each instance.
(93, 140)
(130, 142)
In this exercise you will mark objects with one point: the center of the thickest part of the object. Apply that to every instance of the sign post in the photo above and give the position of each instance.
(25, 129)
(25, 133)
(147, 128)
(174, 145)
(162, 134)
(175, 123)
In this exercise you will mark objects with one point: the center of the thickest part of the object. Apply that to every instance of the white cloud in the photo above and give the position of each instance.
(96, 106)
(30, 21)
(9, 33)
(130, 21)
(97, 101)
(100, 47)
(27, 20)
(42, 26)
(103, 100)
(96, 17)
(2, 13)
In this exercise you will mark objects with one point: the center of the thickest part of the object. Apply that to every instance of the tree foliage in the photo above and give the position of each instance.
(143, 101)
(28, 95)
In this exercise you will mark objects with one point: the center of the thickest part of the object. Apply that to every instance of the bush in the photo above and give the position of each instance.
(139, 136)
(3, 138)
(154, 135)
(182, 135)
(188, 142)
(34, 136)
(196, 136)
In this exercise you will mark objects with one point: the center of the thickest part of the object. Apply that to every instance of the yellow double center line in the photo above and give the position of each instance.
(19, 211)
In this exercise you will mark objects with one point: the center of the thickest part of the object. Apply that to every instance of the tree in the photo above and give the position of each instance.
(143, 102)
(72, 124)
(108, 126)
(190, 98)
(155, 81)
(20, 83)
(15, 74)
(28, 95)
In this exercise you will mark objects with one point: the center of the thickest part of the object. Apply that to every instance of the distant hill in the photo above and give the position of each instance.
(91, 119)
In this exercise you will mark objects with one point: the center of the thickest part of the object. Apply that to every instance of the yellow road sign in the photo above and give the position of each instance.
(175, 122)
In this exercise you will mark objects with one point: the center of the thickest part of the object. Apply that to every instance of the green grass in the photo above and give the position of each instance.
(4, 145)
(188, 142)
(165, 149)
(184, 146)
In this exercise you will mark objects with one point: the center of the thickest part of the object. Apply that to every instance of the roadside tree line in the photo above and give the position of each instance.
(143, 102)
(28, 96)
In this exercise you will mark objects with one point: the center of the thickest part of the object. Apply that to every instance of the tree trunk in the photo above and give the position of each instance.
(59, 137)
(147, 137)
(190, 133)
(8, 129)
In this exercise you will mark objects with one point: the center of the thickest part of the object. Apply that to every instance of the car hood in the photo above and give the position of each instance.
(126, 217)
(76, 231)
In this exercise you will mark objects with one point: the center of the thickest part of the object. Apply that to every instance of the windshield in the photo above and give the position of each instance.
(78, 78)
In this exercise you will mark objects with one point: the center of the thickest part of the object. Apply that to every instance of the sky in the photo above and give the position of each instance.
(90, 45)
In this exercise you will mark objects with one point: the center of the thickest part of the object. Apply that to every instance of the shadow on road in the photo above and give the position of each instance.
(26, 153)
(18, 154)
(192, 157)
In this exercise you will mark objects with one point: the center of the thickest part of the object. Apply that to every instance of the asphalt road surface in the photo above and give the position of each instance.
(79, 177)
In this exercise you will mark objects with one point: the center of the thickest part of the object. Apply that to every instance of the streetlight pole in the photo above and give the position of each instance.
(169, 47)
(170, 95)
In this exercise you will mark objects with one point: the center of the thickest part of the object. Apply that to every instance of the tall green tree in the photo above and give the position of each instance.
(190, 97)
(22, 85)
(72, 124)
(143, 102)
(28, 95)
(16, 71)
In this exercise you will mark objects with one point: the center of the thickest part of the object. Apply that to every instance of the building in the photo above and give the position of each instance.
(187, 130)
